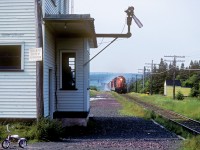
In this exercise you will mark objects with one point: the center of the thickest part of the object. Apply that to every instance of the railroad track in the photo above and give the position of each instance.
(188, 123)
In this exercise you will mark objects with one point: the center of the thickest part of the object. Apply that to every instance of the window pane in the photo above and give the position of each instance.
(68, 71)
(72, 59)
(10, 57)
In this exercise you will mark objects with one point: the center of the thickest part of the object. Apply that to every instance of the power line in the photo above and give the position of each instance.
(165, 71)
(100, 52)
(174, 68)
(110, 41)
(143, 76)
(193, 69)
(151, 86)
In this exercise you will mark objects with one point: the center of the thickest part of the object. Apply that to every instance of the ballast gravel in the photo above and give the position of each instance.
(108, 130)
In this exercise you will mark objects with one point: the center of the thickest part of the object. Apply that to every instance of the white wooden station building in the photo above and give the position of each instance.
(67, 39)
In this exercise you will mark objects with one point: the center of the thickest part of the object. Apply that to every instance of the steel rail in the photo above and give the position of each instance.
(188, 123)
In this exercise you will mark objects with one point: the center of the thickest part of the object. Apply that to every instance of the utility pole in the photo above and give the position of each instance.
(174, 71)
(192, 70)
(151, 91)
(136, 84)
(145, 71)
(39, 64)
(142, 76)
(151, 86)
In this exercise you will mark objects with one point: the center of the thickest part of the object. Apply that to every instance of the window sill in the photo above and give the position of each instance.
(69, 89)
(11, 70)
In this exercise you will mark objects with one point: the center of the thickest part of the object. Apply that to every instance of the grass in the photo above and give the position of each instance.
(188, 107)
(44, 130)
(192, 144)
(129, 108)
(29, 131)
(25, 130)
(93, 93)
(185, 91)
(35, 132)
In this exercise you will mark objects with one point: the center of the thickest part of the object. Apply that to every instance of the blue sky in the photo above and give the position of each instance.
(171, 27)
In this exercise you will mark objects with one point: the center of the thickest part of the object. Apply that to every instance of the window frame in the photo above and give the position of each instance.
(21, 44)
(75, 70)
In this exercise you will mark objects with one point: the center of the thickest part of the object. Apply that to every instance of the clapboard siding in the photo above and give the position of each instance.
(71, 100)
(18, 89)
(49, 63)
(86, 78)
(60, 7)
(64, 6)
(50, 8)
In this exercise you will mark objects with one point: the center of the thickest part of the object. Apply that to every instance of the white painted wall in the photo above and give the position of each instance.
(86, 79)
(59, 7)
(72, 100)
(165, 88)
(18, 89)
(49, 64)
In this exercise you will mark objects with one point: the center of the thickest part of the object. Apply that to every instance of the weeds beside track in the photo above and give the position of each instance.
(191, 125)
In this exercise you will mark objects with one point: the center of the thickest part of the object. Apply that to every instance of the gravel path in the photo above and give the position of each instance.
(108, 130)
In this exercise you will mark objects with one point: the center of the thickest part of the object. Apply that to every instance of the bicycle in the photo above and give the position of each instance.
(22, 142)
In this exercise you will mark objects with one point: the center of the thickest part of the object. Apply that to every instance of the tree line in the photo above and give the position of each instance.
(153, 81)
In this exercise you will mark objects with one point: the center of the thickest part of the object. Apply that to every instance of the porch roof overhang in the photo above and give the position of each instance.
(72, 26)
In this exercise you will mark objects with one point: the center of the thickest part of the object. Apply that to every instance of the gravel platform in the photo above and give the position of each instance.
(108, 130)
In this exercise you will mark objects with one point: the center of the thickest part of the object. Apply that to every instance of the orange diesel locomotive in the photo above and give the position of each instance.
(118, 85)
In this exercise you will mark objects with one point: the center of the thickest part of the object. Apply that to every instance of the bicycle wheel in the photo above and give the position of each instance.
(22, 143)
(5, 144)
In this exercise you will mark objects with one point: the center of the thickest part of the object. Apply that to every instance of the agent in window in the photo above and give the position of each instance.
(67, 78)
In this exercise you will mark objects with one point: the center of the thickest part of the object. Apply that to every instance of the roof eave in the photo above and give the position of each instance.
(77, 26)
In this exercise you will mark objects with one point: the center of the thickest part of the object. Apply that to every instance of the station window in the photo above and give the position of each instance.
(11, 57)
(68, 69)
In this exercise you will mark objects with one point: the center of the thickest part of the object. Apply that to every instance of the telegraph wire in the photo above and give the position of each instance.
(100, 51)
(110, 41)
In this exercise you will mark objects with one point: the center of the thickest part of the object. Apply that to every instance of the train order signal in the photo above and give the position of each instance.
(130, 13)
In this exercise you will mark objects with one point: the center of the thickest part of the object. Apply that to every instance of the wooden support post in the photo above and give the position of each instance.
(39, 64)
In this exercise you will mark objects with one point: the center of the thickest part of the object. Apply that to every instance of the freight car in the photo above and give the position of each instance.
(118, 85)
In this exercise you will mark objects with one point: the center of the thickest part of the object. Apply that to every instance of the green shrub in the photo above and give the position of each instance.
(194, 92)
(179, 95)
(50, 130)
(93, 88)
(23, 129)
(93, 93)
(1, 132)
(192, 144)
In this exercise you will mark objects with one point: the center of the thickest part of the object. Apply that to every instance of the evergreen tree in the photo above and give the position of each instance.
(162, 75)
(159, 77)
(183, 74)
(170, 72)
(188, 78)
(195, 85)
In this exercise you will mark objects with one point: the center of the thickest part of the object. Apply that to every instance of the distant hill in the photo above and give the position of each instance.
(99, 79)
